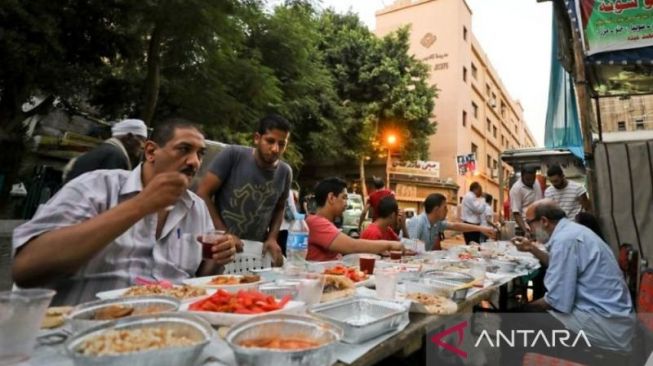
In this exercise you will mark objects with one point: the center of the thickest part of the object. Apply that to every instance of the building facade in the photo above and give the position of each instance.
(474, 112)
(633, 113)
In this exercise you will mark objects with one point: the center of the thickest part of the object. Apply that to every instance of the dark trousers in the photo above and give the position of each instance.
(474, 236)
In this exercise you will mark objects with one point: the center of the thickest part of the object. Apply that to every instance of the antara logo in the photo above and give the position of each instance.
(557, 337)
(460, 330)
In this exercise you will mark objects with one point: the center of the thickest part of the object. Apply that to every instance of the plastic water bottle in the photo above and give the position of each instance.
(297, 244)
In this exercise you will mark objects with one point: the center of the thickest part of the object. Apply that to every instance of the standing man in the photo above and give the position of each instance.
(325, 241)
(373, 200)
(428, 225)
(523, 193)
(122, 151)
(472, 211)
(106, 228)
(571, 196)
(487, 219)
(246, 188)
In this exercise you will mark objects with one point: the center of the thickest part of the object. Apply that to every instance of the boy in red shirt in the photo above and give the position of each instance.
(382, 227)
(325, 241)
(380, 192)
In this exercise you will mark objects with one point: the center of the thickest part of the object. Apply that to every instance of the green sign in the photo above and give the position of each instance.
(612, 25)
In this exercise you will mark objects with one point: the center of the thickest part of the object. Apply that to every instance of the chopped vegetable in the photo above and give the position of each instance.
(351, 272)
(243, 302)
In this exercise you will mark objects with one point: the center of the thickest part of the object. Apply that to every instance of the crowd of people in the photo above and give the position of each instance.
(127, 211)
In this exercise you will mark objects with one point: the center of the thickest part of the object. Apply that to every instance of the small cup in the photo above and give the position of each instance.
(310, 288)
(395, 254)
(209, 239)
(385, 281)
(366, 263)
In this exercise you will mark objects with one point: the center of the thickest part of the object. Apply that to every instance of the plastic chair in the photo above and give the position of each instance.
(251, 258)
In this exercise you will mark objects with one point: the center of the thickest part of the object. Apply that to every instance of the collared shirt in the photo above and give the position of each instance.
(473, 208)
(568, 198)
(522, 196)
(487, 216)
(174, 256)
(586, 287)
(420, 228)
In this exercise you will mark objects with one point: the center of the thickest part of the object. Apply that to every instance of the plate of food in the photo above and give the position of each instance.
(431, 304)
(230, 283)
(183, 293)
(226, 308)
(358, 277)
(337, 287)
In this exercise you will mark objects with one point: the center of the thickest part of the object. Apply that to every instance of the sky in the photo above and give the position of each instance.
(516, 36)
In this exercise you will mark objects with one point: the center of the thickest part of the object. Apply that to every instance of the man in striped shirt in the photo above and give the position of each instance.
(105, 228)
(570, 196)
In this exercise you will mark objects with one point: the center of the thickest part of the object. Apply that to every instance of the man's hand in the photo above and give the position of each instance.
(162, 191)
(490, 232)
(237, 242)
(271, 246)
(224, 251)
(523, 244)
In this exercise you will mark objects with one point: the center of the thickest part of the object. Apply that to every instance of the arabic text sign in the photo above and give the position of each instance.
(610, 25)
(419, 167)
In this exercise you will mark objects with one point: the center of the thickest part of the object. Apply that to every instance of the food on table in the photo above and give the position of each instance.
(350, 272)
(121, 311)
(243, 302)
(433, 304)
(55, 316)
(336, 287)
(179, 292)
(117, 342)
(279, 343)
(234, 280)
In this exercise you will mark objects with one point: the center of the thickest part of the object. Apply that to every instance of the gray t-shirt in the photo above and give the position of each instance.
(248, 194)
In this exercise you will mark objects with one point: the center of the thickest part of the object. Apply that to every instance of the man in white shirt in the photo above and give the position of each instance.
(487, 219)
(570, 196)
(522, 194)
(472, 211)
(105, 228)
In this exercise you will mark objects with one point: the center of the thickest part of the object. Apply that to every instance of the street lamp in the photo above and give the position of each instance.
(391, 140)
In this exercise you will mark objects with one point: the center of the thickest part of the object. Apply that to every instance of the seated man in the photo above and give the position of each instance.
(107, 227)
(585, 287)
(428, 225)
(382, 227)
(325, 241)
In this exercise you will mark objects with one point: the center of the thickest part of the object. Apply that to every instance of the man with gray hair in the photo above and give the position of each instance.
(586, 290)
(122, 151)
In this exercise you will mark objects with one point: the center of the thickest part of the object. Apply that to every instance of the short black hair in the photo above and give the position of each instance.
(554, 170)
(528, 170)
(590, 221)
(474, 186)
(322, 189)
(378, 182)
(488, 198)
(165, 131)
(550, 210)
(273, 122)
(433, 201)
(387, 206)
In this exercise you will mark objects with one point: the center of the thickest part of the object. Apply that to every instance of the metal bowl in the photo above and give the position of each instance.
(186, 324)
(81, 316)
(279, 326)
(448, 282)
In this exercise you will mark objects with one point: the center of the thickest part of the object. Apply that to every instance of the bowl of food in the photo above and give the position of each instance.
(284, 340)
(229, 283)
(148, 340)
(102, 311)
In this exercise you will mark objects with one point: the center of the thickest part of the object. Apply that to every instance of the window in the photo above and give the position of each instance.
(639, 124)
(494, 100)
(502, 140)
(475, 109)
(494, 163)
(494, 131)
(488, 123)
(464, 74)
(474, 149)
(621, 126)
(516, 129)
(464, 118)
(464, 33)
(488, 91)
(474, 71)
(503, 109)
(489, 161)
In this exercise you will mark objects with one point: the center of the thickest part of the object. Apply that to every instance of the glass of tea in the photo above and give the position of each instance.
(209, 239)
(366, 263)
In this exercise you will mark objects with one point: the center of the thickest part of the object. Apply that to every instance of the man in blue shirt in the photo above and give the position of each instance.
(585, 287)
(428, 225)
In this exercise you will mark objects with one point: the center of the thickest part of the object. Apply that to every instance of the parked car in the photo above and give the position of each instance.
(352, 214)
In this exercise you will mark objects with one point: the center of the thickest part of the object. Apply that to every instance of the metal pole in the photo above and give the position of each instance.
(388, 164)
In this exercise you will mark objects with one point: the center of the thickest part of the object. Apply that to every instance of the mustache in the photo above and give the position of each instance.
(190, 171)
